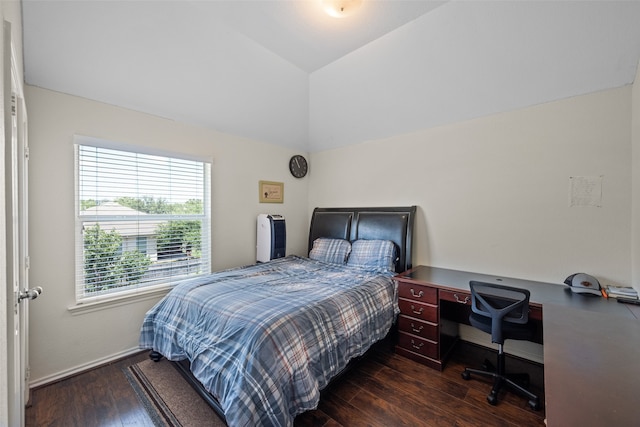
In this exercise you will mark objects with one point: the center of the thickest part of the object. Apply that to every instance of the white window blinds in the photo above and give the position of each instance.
(142, 219)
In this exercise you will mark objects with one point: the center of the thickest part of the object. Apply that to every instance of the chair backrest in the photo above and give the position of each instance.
(500, 303)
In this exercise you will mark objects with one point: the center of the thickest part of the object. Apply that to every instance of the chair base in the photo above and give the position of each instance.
(500, 380)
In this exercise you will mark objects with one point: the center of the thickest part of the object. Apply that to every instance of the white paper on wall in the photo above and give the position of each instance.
(585, 191)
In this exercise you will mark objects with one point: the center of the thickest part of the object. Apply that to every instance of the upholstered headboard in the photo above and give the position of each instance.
(386, 223)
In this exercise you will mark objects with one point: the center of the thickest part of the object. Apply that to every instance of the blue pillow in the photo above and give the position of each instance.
(334, 251)
(373, 255)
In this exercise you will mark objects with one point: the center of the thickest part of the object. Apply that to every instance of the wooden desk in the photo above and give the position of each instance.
(541, 292)
(591, 368)
(429, 294)
(591, 357)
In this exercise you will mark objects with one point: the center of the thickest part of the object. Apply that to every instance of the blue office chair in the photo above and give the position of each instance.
(503, 312)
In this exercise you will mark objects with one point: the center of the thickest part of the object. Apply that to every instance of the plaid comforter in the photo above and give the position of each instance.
(265, 339)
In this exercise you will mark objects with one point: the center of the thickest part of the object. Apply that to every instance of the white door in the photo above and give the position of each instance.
(17, 254)
(23, 241)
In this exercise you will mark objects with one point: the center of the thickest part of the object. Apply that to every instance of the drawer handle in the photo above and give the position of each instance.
(413, 328)
(413, 308)
(418, 295)
(461, 301)
(417, 347)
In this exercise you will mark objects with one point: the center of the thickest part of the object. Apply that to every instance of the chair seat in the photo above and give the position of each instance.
(511, 331)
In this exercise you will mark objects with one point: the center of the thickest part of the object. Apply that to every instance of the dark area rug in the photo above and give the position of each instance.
(168, 398)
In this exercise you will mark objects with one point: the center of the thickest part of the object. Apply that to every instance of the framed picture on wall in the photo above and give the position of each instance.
(271, 192)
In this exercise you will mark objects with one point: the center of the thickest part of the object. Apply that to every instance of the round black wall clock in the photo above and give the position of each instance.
(298, 166)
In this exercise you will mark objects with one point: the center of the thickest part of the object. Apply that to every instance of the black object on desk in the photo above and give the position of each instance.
(629, 301)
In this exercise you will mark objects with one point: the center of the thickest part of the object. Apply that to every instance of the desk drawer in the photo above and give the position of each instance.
(418, 345)
(418, 310)
(418, 292)
(456, 296)
(418, 327)
(464, 298)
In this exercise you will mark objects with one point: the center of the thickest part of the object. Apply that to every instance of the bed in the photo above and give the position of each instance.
(261, 341)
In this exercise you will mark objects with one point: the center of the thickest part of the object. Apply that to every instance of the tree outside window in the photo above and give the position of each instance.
(143, 219)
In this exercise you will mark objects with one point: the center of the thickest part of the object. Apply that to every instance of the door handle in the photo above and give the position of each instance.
(30, 293)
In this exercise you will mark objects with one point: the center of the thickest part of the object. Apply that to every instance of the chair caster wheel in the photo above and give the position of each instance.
(466, 375)
(534, 404)
(492, 400)
(155, 356)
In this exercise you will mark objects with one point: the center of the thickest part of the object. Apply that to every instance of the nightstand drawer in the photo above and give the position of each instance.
(418, 345)
(418, 310)
(417, 292)
(418, 327)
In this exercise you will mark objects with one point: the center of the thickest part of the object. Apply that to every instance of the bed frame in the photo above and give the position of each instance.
(390, 223)
(371, 223)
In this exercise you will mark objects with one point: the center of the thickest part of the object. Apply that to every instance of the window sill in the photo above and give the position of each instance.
(116, 301)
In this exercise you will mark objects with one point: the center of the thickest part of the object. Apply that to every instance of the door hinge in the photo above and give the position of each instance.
(26, 153)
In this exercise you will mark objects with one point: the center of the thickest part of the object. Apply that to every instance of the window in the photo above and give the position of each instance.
(142, 244)
(143, 219)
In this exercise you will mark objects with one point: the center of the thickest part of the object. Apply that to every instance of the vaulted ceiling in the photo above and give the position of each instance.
(283, 72)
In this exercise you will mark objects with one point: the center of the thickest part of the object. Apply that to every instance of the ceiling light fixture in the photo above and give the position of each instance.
(340, 8)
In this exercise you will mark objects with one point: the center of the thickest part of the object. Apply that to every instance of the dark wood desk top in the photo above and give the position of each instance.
(541, 293)
(591, 368)
(591, 349)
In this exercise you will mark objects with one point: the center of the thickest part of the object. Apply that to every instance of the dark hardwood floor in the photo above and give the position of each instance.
(384, 389)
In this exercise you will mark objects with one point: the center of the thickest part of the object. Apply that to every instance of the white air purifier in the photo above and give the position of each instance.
(271, 237)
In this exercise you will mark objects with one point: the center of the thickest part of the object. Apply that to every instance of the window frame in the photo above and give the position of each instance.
(117, 295)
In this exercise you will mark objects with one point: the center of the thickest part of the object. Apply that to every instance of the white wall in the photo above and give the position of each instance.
(493, 193)
(61, 342)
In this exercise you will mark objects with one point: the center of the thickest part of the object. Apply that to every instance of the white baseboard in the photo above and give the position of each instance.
(81, 368)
